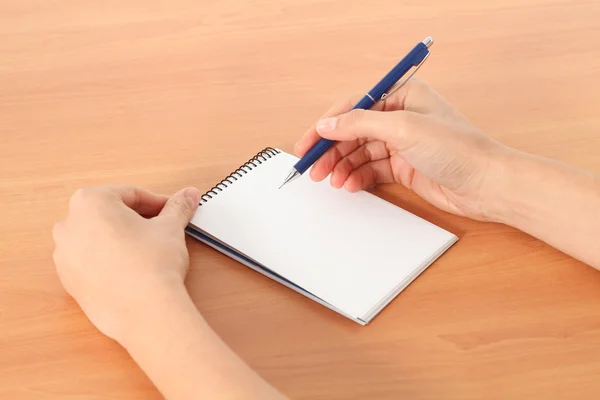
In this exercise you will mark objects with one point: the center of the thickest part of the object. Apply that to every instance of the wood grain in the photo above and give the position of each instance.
(177, 93)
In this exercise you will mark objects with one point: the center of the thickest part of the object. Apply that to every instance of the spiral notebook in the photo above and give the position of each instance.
(350, 252)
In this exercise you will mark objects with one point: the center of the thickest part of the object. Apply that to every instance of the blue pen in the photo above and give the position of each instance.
(390, 83)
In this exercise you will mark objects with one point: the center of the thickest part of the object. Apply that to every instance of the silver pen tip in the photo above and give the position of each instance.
(291, 176)
(428, 41)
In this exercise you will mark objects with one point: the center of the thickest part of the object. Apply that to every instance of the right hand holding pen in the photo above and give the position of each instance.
(415, 138)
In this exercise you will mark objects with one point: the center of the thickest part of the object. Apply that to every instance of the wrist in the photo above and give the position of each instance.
(183, 357)
(503, 201)
(163, 303)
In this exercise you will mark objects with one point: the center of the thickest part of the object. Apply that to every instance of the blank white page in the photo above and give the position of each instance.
(349, 249)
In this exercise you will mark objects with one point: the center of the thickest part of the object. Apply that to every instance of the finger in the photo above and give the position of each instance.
(310, 137)
(367, 152)
(397, 128)
(182, 206)
(392, 170)
(404, 173)
(429, 191)
(353, 129)
(325, 164)
(370, 174)
(144, 202)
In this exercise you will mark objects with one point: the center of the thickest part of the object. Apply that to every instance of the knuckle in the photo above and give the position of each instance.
(418, 85)
(81, 196)
(87, 197)
(354, 117)
(78, 195)
(180, 206)
(366, 155)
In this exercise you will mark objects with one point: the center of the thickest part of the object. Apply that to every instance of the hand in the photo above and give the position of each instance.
(121, 254)
(415, 138)
(120, 248)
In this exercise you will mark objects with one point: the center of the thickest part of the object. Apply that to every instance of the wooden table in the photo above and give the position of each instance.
(175, 93)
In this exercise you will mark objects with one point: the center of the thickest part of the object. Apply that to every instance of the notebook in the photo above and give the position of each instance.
(350, 252)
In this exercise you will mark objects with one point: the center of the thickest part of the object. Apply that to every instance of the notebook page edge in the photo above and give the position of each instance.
(266, 272)
(377, 308)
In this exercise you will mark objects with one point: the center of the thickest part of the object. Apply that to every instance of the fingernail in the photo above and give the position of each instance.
(327, 125)
(192, 196)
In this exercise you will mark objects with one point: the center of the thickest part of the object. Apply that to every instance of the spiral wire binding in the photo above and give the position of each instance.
(260, 157)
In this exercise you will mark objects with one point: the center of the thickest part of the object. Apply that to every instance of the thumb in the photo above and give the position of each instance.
(393, 128)
(182, 206)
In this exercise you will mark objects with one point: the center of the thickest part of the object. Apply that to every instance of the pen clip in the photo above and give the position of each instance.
(403, 81)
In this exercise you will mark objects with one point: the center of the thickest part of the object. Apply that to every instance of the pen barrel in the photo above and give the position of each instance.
(324, 144)
(412, 59)
(313, 155)
(365, 103)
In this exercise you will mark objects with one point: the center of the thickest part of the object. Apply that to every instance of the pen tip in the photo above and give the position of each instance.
(291, 176)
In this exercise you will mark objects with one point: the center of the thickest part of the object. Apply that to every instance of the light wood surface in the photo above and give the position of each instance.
(165, 94)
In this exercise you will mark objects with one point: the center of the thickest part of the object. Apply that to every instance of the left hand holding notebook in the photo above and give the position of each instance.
(121, 254)
(119, 247)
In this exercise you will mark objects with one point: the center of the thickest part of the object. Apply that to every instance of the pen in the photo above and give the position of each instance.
(389, 84)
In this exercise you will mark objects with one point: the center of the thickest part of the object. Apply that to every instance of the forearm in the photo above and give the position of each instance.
(185, 359)
(552, 202)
